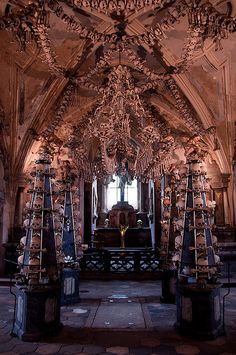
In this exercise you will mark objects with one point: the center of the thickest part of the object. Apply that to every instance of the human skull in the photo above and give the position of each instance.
(36, 222)
(201, 242)
(23, 241)
(180, 203)
(166, 214)
(176, 258)
(39, 169)
(28, 205)
(175, 172)
(178, 242)
(181, 187)
(178, 224)
(168, 190)
(166, 201)
(130, 5)
(38, 185)
(35, 242)
(199, 222)
(197, 185)
(38, 203)
(196, 168)
(183, 171)
(165, 228)
(198, 204)
(26, 222)
(20, 259)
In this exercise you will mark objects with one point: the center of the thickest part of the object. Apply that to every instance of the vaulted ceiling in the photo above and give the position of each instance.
(53, 74)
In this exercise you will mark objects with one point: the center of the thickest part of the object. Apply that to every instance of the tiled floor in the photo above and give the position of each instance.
(118, 317)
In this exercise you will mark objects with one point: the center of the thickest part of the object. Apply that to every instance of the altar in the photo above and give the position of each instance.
(134, 238)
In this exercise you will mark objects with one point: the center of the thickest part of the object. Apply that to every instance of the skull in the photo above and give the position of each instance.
(165, 228)
(176, 258)
(180, 203)
(59, 208)
(168, 190)
(130, 5)
(20, 259)
(28, 205)
(197, 186)
(181, 187)
(176, 174)
(198, 204)
(23, 241)
(26, 222)
(112, 6)
(183, 171)
(199, 221)
(38, 203)
(36, 222)
(39, 168)
(39, 185)
(178, 242)
(178, 224)
(166, 214)
(35, 242)
(201, 242)
(166, 201)
(196, 168)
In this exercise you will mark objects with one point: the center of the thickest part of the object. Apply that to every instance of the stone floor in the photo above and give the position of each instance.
(118, 317)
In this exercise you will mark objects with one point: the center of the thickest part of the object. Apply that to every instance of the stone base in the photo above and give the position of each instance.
(199, 311)
(37, 313)
(70, 286)
(168, 284)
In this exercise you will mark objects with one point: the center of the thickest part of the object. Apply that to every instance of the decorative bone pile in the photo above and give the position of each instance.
(195, 245)
(38, 264)
(67, 213)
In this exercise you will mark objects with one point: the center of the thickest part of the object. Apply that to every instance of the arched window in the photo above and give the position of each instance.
(114, 193)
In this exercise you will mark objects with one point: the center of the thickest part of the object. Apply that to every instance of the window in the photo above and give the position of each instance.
(114, 193)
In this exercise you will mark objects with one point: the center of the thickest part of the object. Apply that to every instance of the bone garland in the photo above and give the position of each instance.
(75, 26)
(182, 106)
(125, 6)
(50, 56)
(193, 42)
(216, 26)
(67, 98)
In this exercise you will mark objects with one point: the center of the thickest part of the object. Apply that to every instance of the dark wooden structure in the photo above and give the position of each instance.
(134, 237)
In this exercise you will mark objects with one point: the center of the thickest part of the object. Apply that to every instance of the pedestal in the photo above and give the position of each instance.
(168, 284)
(37, 313)
(199, 311)
(70, 286)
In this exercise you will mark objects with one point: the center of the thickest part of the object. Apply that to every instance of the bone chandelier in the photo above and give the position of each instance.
(114, 148)
(32, 23)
